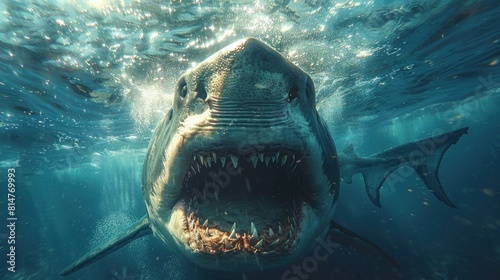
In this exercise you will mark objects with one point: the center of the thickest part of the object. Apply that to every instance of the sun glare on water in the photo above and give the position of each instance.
(97, 3)
(103, 4)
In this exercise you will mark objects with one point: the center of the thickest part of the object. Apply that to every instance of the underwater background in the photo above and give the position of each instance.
(83, 84)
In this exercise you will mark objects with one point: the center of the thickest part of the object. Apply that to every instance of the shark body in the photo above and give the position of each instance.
(242, 173)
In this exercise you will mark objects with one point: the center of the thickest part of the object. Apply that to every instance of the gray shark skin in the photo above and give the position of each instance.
(242, 173)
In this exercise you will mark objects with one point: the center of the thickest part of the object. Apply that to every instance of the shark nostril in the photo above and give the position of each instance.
(293, 93)
(201, 92)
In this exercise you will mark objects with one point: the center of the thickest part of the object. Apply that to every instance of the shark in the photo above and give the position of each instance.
(242, 173)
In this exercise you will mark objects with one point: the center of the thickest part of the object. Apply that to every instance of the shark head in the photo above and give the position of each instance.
(242, 173)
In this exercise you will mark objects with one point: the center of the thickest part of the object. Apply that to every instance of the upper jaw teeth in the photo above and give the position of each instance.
(268, 159)
(234, 160)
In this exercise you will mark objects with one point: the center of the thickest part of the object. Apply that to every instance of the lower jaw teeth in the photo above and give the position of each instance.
(274, 243)
(259, 244)
(228, 245)
(212, 240)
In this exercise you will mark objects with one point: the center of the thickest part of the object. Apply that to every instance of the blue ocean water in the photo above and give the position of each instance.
(83, 84)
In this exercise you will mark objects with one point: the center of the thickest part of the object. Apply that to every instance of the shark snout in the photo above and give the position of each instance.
(250, 72)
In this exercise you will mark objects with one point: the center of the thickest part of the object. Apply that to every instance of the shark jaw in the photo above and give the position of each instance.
(248, 208)
(263, 196)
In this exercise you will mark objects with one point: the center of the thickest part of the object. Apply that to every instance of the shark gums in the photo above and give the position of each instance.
(242, 173)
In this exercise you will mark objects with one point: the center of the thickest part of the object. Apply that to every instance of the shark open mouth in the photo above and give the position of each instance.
(253, 205)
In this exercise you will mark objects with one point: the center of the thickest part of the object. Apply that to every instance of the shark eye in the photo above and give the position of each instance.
(184, 91)
(293, 93)
(182, 88)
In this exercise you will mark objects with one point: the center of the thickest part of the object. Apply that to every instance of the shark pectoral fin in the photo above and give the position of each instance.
(348, 238)
(139, 229)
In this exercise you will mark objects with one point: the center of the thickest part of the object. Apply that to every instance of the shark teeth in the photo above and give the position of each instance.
(254, 161)
(261, 157)
(233, 234)
(283, 160)
(216, 238)
(274, 243)
(259, 244)
(268, 159)
(203, 238)
(253, 230)
(234, 160)
(228, 245)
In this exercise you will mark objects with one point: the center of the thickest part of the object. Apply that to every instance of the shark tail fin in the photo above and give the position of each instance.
(138, 229)
(423, 156)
